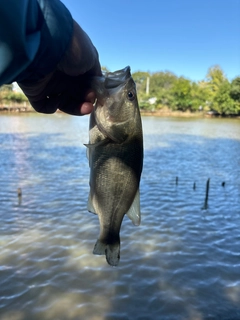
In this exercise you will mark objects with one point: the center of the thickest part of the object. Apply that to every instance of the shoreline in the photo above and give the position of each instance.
(16, 107)
(169, 113)
(27, 108)
(186, 114)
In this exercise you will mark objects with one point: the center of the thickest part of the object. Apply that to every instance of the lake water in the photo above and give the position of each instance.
(182, 262)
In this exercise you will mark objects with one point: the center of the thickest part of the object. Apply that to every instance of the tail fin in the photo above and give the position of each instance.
(99, 247)
(112, 251)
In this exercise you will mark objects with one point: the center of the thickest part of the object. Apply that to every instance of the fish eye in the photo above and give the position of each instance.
(130, 95)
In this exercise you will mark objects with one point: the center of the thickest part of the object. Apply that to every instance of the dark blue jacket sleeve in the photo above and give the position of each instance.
(34, 35)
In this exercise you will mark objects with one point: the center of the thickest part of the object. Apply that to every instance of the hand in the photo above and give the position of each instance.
(68, 87)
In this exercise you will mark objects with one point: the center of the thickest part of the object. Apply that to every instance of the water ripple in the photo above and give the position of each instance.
(182, 262)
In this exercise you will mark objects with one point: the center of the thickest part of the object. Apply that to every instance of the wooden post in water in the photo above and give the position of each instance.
(176, 181)
(194, 186)
(206, 197)
(19, 193)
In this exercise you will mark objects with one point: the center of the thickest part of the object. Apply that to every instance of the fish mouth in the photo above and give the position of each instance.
(117, 78)
(110, 81)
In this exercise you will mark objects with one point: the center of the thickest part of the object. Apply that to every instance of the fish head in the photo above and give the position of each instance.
(117, 105)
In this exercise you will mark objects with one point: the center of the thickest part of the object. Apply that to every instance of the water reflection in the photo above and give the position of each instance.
(181, 263)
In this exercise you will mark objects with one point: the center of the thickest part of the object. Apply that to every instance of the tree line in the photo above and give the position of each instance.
(164, 89)
(9, 96)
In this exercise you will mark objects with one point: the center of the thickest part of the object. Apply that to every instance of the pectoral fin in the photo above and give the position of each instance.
(97, 144)
(87, 152)
(134, 211)
(94, 145)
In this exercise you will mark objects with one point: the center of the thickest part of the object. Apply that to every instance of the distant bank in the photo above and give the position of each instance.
(185, 114)
(16, 107)
(25, 107)
(169, 113)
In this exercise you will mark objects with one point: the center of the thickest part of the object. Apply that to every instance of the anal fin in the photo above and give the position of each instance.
(134, 213)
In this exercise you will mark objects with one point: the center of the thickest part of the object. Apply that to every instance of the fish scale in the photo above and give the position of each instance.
(115, 153)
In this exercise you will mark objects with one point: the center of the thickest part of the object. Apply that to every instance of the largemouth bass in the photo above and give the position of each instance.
(115, 153)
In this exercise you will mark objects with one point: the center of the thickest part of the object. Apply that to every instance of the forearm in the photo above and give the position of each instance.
(34, 36)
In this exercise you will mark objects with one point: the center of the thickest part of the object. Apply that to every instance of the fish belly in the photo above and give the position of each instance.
(113, 186)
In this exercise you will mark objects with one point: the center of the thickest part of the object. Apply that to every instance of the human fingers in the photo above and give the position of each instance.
(87, 106)
(58, 91)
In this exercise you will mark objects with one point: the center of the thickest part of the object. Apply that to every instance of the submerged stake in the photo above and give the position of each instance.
(19, 193)
(176, 181)
(206, 197)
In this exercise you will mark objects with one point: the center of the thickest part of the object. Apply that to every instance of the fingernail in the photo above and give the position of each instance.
(86, 108)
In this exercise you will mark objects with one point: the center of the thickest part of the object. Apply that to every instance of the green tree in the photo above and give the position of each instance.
(6, 87)
(222, 102)
(213, 93)
(161, 80)
(104, 69)
(181, 92)
(160, 84)
(17, 97)
(8, 96)
(235, 89)
(140, 76)
(165, 98)
(215, 78)
(200, 95)
(140, 79)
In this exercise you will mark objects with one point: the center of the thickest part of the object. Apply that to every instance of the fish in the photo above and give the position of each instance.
(115, 154)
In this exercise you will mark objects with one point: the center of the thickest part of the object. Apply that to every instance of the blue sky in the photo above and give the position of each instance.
(185, 37)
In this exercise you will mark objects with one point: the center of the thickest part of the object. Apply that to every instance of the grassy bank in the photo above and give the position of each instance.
(166, 112)
(170, 113)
